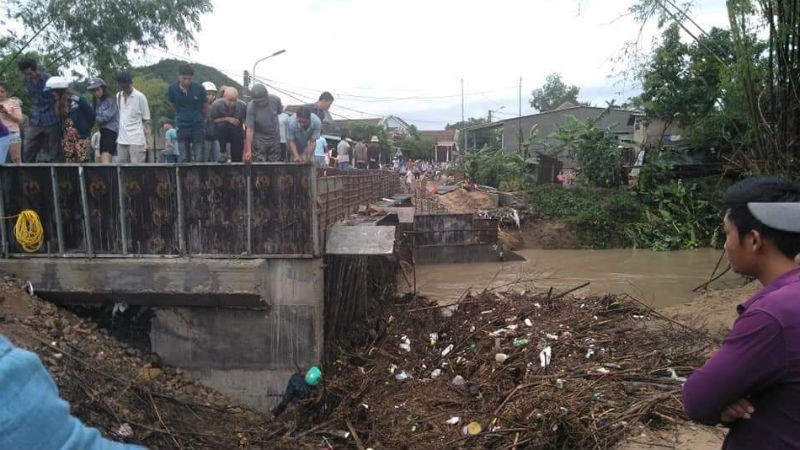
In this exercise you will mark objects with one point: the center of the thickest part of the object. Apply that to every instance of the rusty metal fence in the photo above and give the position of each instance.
(341, 192)
(160, 210)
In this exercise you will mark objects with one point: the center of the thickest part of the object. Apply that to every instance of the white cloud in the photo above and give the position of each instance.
(422, 48)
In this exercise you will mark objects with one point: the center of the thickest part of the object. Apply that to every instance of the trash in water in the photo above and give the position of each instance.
(405, 344)
(29, 287)
(560, 383)
(471, 429)
(458, 380)
(528, 323)
(673, 375)
(500, 358)
(590, 353)
(436, 373)
(453, 420)
(402, 376)
(551, 336)
(434, 337)
(602, 370)
(124, 431)
(392, 368)
(545, 356)
(447, 350)
(520, 342)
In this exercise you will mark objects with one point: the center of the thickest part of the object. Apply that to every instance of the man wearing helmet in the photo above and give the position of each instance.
(43, 134)
(211, 144)
(107, 118)
(190, 103)
(263, 138)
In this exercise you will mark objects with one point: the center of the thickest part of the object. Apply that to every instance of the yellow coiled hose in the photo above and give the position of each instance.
(29, 231)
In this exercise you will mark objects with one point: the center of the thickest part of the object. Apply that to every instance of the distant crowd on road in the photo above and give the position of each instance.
(209, 125)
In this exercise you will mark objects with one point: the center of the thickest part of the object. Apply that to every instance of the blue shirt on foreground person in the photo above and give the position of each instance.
(752, 384)
(33, 416)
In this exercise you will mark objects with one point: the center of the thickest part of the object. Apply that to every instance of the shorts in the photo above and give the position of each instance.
(108, 141)
(14, 138)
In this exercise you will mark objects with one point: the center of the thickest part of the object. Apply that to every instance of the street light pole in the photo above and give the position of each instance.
(262, 59)
(494, 111)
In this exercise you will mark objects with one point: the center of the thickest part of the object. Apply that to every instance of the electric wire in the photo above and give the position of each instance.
(28, 231)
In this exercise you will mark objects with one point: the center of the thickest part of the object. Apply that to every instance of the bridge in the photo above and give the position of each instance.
(229, 257)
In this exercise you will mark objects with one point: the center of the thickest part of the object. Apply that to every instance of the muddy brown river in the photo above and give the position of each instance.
(658, 278)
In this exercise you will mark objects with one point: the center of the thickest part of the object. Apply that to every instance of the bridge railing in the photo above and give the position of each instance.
(160, 210)
(342, 191)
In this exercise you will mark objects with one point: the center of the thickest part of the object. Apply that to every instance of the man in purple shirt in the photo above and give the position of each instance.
(752, 384)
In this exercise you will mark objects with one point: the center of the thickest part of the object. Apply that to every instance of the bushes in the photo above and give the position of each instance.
(680, 215)
(596, 216)
(673, 216)
(496, 168)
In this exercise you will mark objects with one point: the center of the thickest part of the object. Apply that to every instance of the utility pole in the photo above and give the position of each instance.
(463, 122)
(519, 118)
(490, 116)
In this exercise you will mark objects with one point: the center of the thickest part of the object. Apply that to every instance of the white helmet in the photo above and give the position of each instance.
(56, 83)
(209, 86)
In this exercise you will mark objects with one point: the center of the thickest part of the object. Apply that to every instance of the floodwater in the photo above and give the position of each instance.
(657, 278)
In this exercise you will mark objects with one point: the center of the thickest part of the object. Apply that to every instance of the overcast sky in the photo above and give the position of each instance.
(408, 58)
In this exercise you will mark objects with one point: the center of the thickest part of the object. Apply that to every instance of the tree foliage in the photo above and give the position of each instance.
(553, 94)
(757, 107)
(99, 34)
(595, 149)
(692, 86)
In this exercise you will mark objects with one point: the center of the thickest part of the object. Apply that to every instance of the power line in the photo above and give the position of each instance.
(375, 99)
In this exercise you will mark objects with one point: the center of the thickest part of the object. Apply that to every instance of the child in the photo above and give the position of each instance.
(171, 138)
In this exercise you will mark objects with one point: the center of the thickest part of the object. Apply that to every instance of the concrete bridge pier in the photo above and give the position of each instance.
(240, 326)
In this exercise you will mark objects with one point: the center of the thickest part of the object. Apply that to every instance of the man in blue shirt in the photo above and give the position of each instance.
(32, 415)
(301, 135)
(191, 106)
(43, 135)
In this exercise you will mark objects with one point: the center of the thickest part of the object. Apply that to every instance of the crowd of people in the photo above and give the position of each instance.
(209, 125)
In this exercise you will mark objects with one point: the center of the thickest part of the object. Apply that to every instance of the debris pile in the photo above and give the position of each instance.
(125, 393)
(509, 370)
(461, 201)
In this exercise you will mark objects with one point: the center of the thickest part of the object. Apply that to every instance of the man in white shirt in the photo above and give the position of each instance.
(133, 140)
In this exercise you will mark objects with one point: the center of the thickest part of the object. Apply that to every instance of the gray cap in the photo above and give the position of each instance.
(258, 92)
(782, 216)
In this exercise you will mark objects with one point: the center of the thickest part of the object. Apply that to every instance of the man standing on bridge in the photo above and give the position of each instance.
(134, 122)
(752, 383)
(43, 134)
(320, 107)
(190, 103)
(262, 141)
(301, 135)
(360, 155)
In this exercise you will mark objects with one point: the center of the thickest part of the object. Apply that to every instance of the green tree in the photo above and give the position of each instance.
(553, 94)
(691, 85)
(99, 34)
(761, 77)
(595, 149)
